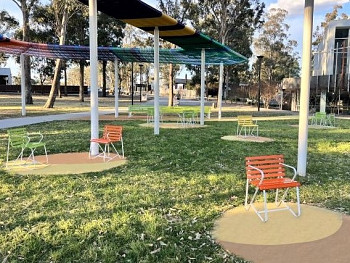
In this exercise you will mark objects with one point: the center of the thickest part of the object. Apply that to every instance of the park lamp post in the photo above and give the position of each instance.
(141, 65)
(259, 79)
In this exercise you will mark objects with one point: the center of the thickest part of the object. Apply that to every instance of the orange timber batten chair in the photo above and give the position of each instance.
(111, 135)
(268, 173)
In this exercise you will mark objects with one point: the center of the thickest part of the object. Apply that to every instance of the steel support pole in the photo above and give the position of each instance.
(23, 86)
(93, 74)
(156, 81)
(221, 76)
(305, 88)
(202, 86)
(116, 87)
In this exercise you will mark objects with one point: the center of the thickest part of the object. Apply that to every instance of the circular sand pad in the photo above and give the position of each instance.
(246, 138)
(173, 125)
(245, 227)
(320, 127)
(67, 163)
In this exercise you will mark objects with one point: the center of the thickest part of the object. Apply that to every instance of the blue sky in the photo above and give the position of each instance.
(295, 10)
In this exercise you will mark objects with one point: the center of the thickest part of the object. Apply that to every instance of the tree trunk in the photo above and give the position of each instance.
(56, 79)
(171, 81)
(59, 93)
(104, 66)
(26, 62)
(55, 85)
(81, 81)
(27, 82)
(65, 79)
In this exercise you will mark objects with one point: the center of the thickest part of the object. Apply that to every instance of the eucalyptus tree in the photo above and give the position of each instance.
(182, 11)
(280, 59)
(110, 33)
(8, 24)
(62, 10)
(233, 23)
(78, 34)
(334, 15)
(26, 7)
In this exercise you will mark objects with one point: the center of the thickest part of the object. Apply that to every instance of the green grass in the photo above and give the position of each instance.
(161, 205)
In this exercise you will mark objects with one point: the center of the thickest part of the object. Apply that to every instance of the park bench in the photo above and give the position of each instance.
(246, 123)
(268, 173)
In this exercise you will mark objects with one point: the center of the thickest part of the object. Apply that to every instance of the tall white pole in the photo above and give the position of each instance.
(93, 74)
(202, 85)
(336, 68)
(305, 87)
(156, 81)
(23, 86)
(220, 90)
(116, 87)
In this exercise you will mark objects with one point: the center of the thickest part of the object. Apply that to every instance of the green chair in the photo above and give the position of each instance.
(187, 117)
(331, 119)
(320, 118)
(18, 138)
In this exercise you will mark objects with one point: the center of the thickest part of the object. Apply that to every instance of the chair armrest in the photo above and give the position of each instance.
(261, 172)
(291, 167)
(35, 135)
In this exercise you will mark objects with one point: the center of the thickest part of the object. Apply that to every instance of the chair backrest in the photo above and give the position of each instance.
(244, 119)
(271, 165)
(320, 115)
(113, 133)
(188, 113)
(17, 137)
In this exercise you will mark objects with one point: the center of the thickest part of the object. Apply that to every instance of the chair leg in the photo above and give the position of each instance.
(298, 201)
(122, 147)
(8, 152)
(265, 207)
(246, 194)
(276, 197)
(47, 159)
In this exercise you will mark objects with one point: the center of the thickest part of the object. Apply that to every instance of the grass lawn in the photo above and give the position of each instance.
(160, 206)
(10, 105)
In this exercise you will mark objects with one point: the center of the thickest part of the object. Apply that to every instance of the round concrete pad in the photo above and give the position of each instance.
(246, 138)
(245, 227)
(316, 127)
(67, 163)
(173, 125)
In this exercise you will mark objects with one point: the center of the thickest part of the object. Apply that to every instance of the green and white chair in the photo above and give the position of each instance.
(19, 139)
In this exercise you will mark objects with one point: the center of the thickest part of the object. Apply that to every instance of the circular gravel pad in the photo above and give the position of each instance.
(173, 125)
(317, 236)
(246, 138)
(67, 163)
(245, 227)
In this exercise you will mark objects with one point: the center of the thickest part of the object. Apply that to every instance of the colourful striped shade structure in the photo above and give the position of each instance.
(145, 17)
(174, 56)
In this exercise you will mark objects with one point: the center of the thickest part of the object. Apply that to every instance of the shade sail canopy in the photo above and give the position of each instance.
(174, 56)
(145, 17)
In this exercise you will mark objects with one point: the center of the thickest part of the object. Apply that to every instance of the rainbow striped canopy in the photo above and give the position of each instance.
(174, 56)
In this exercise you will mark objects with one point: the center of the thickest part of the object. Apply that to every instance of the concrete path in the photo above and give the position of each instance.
(16, 122)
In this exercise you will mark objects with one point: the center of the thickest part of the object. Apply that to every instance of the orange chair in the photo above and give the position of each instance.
(268, 173)
(111, 135)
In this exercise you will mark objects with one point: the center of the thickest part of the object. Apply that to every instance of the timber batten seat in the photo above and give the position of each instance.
(246, 123)
(268, 172)
(111, 135)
